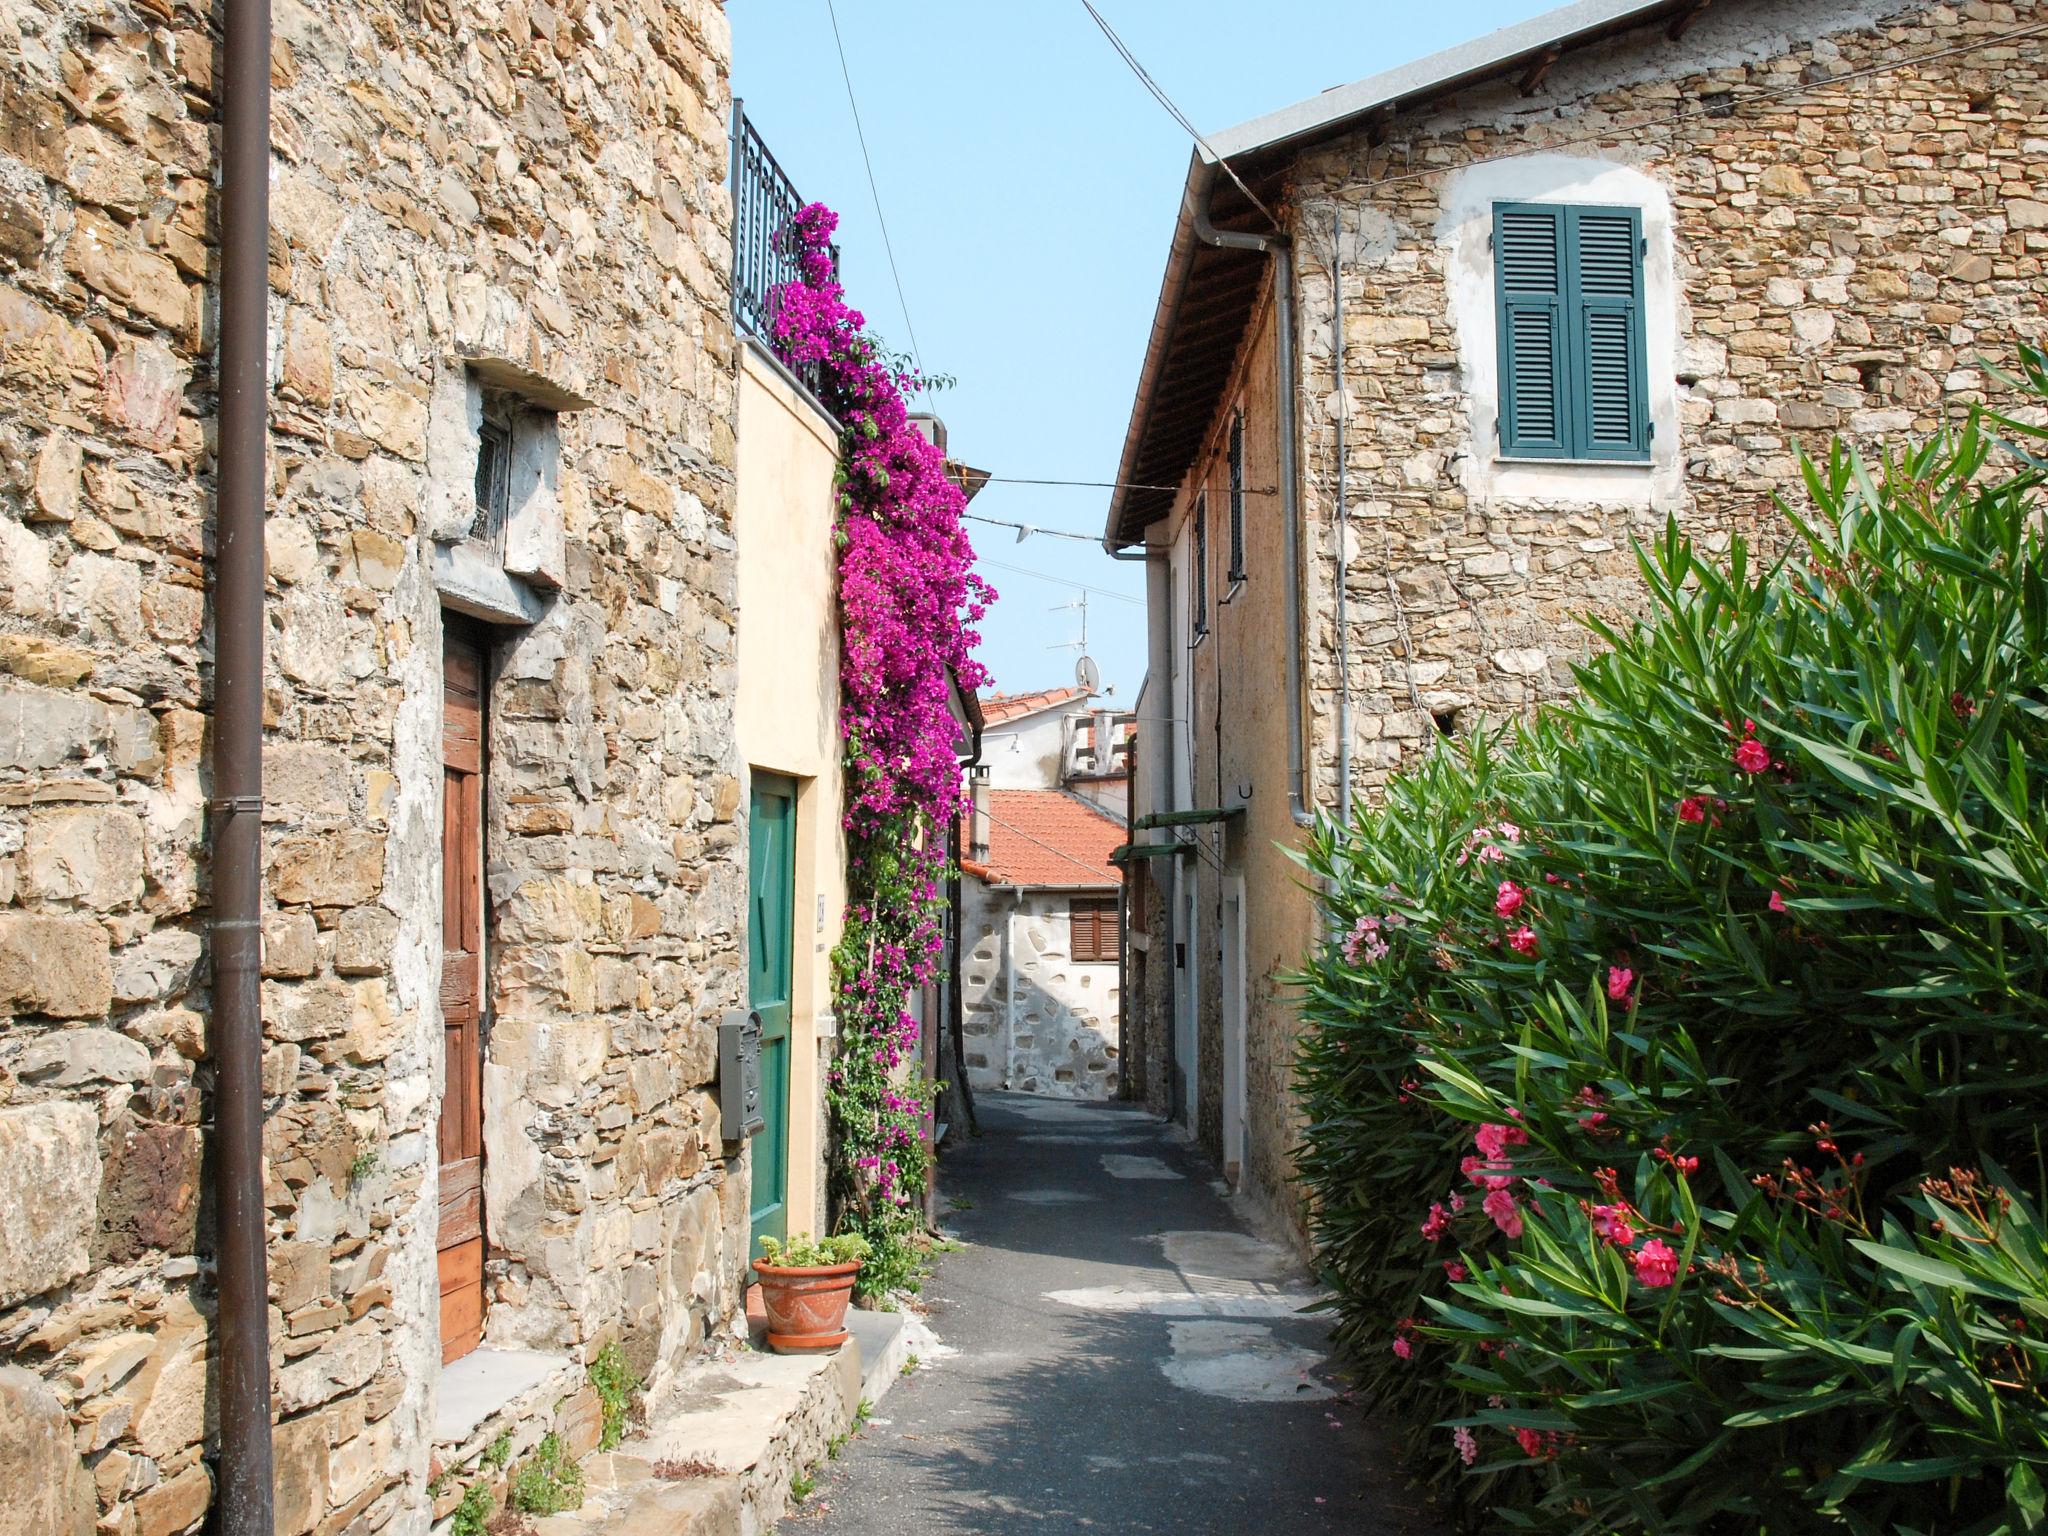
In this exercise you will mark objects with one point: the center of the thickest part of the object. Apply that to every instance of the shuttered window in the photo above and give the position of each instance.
(1095, 935)
(1202, 564)
(1237, 496)
(1568, 285)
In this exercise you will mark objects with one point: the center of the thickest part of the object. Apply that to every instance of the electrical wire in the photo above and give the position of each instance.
(1030, 528)
(1175, 112)
(1025, 570)
(1114, 485)
(874, 191)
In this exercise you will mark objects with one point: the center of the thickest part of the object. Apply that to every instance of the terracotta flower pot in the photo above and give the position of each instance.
(806, 1305)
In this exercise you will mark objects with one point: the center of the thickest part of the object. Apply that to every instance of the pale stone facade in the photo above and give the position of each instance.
(1845, 208)
(1036, 1020)
(519, 200)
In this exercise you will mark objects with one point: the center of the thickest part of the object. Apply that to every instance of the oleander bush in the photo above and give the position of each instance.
(1699, 1030)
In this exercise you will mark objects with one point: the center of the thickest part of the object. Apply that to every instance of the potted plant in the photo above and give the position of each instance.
(805, 1286)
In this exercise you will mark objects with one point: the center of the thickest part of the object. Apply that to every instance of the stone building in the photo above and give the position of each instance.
(1465, 330)
(1041, 941)
(504, 814)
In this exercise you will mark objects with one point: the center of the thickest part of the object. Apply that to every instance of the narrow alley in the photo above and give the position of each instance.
(1122, 1357)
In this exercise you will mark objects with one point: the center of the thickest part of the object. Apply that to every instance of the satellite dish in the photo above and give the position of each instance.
(1086, 675)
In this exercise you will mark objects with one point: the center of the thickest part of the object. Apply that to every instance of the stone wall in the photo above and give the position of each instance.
(521, 193)
(1835, 259)
(1043, 1023)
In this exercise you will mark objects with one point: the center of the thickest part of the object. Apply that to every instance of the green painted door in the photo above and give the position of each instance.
(771, 883)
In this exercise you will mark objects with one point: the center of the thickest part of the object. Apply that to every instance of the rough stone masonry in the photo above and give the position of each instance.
(526, 195)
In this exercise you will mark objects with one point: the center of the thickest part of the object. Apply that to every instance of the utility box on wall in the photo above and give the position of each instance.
(739, 1076)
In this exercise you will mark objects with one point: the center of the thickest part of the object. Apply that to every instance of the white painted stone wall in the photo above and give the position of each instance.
(1058, 1034)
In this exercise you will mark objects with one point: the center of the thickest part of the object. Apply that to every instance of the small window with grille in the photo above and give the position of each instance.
(1095, 935)
(493, 478)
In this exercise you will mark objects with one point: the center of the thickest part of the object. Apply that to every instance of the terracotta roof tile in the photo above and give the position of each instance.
(997, 707)
(1046, 837)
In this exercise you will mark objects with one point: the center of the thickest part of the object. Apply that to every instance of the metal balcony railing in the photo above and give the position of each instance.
(764, 203)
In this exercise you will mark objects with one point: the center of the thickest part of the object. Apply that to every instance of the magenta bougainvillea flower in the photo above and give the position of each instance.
(909, 599)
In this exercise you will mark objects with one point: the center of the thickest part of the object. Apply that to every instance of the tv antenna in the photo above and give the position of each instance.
(1086, 674)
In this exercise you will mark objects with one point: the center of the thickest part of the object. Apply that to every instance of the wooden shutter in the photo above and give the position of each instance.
(1202, 564)
(1529, 271)
(1610, 397)
(1237, 496)
(1094, 934)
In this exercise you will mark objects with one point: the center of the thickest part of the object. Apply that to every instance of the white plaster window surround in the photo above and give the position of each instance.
(1464, 233)
(505, 575)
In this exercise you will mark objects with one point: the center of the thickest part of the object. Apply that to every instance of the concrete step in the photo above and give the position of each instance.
(884, 1341)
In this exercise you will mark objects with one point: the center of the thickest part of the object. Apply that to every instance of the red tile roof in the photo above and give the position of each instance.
(998, 706)
(1046, 837)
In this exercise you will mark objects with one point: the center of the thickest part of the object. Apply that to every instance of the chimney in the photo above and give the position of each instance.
(1105, 740)
(977, 823)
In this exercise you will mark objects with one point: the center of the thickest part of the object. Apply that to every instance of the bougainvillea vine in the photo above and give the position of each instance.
(908, 599)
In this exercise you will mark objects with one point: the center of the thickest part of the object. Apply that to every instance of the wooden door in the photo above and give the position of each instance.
(461, 1240)
(771, 921)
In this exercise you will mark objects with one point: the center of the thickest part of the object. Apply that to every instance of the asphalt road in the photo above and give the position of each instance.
(1126, 1358)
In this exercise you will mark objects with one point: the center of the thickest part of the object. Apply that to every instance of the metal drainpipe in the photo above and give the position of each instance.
(1343, 532)
(1282, 252)
(242, 1333)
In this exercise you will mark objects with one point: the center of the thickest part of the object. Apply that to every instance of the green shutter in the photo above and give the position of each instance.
(1529, 267)
(1610, 395)
(1569, 312)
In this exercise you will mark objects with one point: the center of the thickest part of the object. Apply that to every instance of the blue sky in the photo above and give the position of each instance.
(1030, 186)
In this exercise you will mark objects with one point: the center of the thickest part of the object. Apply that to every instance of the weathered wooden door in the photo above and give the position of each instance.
(461, 1240)
(771, 921)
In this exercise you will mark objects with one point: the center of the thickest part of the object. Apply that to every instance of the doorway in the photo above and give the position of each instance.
(771, 921)
(1234, 1022)
(460, 1240)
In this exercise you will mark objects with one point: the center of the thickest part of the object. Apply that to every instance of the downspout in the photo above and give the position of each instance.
(1282, 252)
(1343, 533)
(242, 1333)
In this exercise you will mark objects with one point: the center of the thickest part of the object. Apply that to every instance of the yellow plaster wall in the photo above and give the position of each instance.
(788, 644)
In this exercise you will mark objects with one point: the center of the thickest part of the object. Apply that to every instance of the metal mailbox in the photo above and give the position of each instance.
(739, 1076)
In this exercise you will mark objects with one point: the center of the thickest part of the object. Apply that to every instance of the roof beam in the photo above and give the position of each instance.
(1532, 77)
(1682, 22)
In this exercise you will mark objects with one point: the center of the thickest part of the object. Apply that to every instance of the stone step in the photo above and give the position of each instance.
(722, 1449)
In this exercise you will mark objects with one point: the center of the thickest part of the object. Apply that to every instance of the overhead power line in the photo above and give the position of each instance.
(1025, 570)
(1166, 101)
(874, 191)
(1025, 529)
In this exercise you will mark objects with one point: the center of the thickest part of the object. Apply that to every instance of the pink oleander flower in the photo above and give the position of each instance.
(1752, 756)
(1436, 1226)
(1365, 944)
(1501, 1205)
(1494, 1140)
(1523, 941)
(1455, 1272)
(1693, 809)
(1457, 1203)
(1509, 899)
(1656, 1264)
(1777, 901)
(1403, 1347)
(1619, 980)
(1611, 1222)
(1468, 1448)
